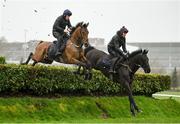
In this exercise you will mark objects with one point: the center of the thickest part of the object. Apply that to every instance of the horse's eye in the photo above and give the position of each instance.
(84, 32)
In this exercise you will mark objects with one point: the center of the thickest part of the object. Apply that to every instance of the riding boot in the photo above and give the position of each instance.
(111, 72)
(112, 67)
(111, 75)
(59, 47)
(60, 52)
(62, 45)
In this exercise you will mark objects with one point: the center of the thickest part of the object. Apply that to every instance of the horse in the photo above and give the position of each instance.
(73, 53)
(125, 70)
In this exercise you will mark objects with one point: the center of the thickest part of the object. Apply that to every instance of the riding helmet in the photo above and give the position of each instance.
(124, 30)
(67, 12)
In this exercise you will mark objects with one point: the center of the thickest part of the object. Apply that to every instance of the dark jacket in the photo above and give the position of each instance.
(60, 24)
(116, 42)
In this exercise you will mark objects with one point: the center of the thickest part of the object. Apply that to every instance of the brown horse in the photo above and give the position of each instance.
(73, 53)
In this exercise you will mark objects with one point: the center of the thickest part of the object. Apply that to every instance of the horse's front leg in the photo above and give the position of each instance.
(77, 62)
(84, 59)
(78, 71)
(131, 81)
(131, 99)
(84, 65)
(88, 67)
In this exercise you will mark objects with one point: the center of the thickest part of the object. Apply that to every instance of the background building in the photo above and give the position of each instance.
(164, 57)
(18, 51)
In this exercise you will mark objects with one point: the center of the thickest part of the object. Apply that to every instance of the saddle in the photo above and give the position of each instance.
(52, 50)
(109, 63)
(106, 63)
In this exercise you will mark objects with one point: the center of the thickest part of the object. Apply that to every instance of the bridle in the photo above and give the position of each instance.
(79, 39)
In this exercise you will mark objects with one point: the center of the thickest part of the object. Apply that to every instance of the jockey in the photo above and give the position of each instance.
(117, 41)
(60, 31)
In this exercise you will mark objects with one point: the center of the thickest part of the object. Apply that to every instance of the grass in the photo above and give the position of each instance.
(85, 109)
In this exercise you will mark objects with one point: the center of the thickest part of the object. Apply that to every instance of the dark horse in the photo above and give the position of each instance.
(73, 53)
(125, 70)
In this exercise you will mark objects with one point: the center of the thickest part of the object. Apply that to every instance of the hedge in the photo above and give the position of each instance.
(52, 80)
(2, 60)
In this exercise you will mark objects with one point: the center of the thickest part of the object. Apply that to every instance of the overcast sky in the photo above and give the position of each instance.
(147, 20)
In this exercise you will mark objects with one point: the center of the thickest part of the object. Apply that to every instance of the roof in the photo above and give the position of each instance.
(155, 44)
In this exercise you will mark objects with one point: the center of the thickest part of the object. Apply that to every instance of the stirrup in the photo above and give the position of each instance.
(112, 72)
(111, 77)
(58, 54)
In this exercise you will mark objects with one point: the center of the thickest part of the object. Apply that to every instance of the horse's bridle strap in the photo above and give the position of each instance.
(76, 45)
(127, 66)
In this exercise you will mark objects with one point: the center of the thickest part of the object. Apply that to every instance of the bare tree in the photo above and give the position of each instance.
(174, 79)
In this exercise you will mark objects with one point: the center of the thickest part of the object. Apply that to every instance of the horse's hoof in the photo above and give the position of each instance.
(86, 77)
(111, 77)
(139, 111)
(81, 74)
(23, 64)
(89, 76)
(76, 73)
(133, 114)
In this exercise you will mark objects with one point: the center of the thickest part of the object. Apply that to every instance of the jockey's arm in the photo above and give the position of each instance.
(117, 49)
(60, 29)
(124, 47)
(57, 27)
(69, 25)
(115, 44)
(120, 52)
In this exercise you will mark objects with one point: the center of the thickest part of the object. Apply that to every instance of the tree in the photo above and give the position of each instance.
(174, 79)
(3, 39)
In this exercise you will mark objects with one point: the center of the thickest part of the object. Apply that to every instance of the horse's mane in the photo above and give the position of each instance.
(135, 53)
(87, 49)
(74, 28)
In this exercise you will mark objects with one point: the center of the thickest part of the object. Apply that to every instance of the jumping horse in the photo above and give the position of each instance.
(125, 70)
(73, 53)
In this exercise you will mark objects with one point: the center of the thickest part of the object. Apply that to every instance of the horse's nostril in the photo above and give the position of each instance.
(147, 70)
(86, 44)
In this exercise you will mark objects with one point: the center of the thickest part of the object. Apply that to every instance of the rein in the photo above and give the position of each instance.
(75, 45)
(127, 66)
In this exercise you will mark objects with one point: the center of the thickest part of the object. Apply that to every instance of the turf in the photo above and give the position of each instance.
(87, 109)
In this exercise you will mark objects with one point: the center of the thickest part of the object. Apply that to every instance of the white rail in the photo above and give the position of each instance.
(166, 95)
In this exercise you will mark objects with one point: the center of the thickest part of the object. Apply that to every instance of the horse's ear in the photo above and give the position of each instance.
(140, 49)
(87, 24)
(145, 51)
(81, 24)
(84, 25)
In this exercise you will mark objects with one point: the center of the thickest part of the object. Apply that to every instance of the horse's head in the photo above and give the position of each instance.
(80, 33)
(141, 59)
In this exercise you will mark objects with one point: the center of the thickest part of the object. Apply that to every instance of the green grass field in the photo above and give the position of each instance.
(85, 109)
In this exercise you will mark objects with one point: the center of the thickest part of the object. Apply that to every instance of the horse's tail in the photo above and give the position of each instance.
(40, 42)
(87, 49)
(40, 51)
